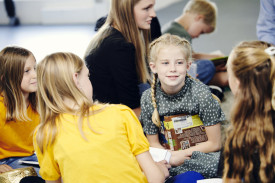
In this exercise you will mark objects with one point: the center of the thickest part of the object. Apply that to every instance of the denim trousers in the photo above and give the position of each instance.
(14, 162)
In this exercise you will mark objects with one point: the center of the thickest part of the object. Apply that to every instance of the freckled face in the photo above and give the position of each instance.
(144, 12)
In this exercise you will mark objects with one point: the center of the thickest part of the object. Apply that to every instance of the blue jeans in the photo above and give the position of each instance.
(14, 162)
(205, 70)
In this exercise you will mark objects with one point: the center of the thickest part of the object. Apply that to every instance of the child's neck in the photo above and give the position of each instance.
(184, 20)
(26, 98)
(70, 103)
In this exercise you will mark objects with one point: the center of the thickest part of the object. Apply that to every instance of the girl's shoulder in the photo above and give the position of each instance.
(110, 108)
(197, 85)
(116, 41)
(146, 95)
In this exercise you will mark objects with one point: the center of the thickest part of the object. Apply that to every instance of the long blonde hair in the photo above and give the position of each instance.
(203, 7)
(252, 128)
(155, 47)
(121, 16)
(13, 61)
(55, 83)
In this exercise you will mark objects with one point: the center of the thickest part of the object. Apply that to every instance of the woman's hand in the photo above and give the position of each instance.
(178, 157)
(5, 168)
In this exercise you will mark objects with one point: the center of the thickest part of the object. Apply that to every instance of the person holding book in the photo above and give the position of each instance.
(249, 154)
(81, 141)
(199, 17)
(180, 107)
(116, 55)
(18, 110)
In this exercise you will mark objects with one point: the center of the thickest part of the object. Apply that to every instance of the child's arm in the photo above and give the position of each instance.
(154, 141)
(152, 171)
(211, 145)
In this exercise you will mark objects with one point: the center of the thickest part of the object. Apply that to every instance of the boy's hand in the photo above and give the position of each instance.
(221, 67)
(164, 166)
(5, 168)
(178, 157)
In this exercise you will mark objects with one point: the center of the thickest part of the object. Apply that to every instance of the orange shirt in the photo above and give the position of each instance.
(16, 137)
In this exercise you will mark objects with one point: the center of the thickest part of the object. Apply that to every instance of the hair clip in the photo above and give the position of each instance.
(270, 50)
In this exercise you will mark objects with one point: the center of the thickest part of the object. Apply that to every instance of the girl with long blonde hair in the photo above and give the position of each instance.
(249, 152)
(178, 112)
(81, 141)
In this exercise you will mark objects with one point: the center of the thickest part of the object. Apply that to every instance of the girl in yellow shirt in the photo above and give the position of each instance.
(18, 116)
(79, 140)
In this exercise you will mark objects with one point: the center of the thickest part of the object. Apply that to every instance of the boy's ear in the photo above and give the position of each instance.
(199, 17)
(153, 67)
(75, 78)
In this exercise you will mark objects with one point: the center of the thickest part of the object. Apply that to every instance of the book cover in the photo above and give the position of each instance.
(220, 60)
(182, 131)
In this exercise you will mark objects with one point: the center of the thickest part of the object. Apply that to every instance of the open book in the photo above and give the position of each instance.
(220, 60)
(159, 154)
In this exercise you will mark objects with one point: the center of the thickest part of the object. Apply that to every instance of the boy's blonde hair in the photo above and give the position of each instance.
(55, 83)
(13, 60)
(155, 47)
(253, 114)
(203, 7)
(121, 15)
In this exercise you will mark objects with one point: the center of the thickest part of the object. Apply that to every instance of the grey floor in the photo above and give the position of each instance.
(236, 22)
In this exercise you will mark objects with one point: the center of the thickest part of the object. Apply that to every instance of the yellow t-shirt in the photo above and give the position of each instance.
(16, 137)
(106, 156)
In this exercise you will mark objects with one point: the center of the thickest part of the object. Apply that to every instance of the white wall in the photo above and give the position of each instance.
(62, 11)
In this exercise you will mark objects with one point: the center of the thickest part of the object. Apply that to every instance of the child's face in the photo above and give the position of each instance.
(198, 27)
(232, 79)
(144, 12)
(84, 83)
(171, 67)
(29, 83)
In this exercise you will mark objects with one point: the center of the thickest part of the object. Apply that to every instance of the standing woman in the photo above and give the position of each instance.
(116, 55)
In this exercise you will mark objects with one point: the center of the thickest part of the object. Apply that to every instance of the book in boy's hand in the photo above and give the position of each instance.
(159, 154)
(220, 60)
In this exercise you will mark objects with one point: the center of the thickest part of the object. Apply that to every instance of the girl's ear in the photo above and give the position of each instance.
(188, 65)
(153, 67)
(75, 78)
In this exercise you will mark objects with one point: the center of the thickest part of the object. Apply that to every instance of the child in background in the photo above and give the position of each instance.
(173, 92)
(250, 147)
(18, 117)
(81, 141)
(199, 17)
